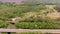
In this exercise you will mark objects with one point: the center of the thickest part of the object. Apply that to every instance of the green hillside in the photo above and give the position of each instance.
(29, 17)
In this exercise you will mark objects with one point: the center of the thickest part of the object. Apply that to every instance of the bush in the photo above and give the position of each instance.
(3, 24)
(30, 33)
(36, 25)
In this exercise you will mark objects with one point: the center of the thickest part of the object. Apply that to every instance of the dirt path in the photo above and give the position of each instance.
(28, 30)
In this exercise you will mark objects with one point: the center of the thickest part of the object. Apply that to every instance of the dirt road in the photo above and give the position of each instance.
(28, 30)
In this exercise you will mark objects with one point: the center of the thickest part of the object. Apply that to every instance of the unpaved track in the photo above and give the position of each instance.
(29, 30)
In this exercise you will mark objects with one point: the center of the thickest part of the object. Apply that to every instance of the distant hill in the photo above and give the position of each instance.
(16, 1)
(43, 1)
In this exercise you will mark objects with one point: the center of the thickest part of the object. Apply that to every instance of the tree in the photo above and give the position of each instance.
(1, 2)
(31, 2)
(10, 4)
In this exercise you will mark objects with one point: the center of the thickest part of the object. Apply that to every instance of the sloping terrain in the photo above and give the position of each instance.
(54, 14)
(30, 17)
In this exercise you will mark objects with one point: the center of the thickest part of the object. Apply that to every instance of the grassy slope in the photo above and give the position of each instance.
(28, 14)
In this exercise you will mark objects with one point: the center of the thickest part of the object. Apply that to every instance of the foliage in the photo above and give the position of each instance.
(19, 10)
(36, 21)
(3, 24)
(36, 25)
(30, 33)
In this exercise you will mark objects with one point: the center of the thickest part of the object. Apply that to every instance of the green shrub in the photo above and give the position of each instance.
(3, 24)
(30, 33)
(36, 25)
